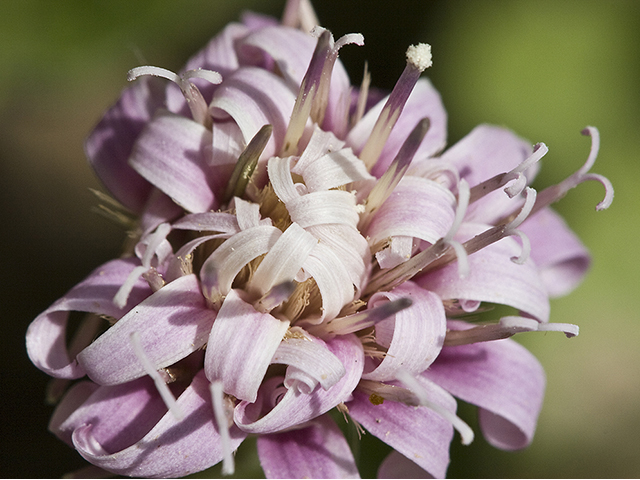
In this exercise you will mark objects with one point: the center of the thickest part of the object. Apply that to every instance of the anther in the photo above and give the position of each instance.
(361, 320)
(418, 59)
(314, 90)
(517, 174)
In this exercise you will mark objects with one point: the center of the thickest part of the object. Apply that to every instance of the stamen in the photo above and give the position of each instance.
(362, 96)
(197, 105)
(152, 244)
(388, 182)
(411, 383)
(246, 163)
(361, 320)
(418, 59)
(444, 251)
(161, 386)
(517, 174)
(507, 327)
(220, 414)
(314, 91)
(556, 192)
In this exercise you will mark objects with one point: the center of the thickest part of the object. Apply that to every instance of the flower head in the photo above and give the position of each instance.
(302, 245)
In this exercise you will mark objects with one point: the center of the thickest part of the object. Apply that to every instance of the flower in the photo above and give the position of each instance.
(302, 246)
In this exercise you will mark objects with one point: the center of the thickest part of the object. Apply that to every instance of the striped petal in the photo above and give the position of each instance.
(161, 452)
(418, 433)
(46, 336)
(492, 277)
(172, 323)
(417, 332)
(503, 378)
(317, 451)
(241, 345)
(173, 154)
(273, 412)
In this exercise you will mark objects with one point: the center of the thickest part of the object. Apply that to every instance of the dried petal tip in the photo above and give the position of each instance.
(419, 56)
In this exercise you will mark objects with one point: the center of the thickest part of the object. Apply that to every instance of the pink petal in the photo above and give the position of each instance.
(503, 378)
(317, 451)
(163, 451)
(424, 101)
(46, 336)
(172, 323)
(396, 465)
(561, 257)
(310, 356)
(109, 145)
(418, 433)
(417, 332)
(492, 277)
(295, 408)
(119, 415)
(172, 153)
(241, 345)
(418, 208)
(254, 97)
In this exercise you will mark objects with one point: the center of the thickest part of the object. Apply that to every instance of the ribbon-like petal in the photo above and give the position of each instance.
(503, 378)
(492, 277)
(418, 433)
(46, 336)
(173, 154)
(413, 337)
(293, 407)
(241, 345)
(172, 448)
(316, 451)
(172, 323)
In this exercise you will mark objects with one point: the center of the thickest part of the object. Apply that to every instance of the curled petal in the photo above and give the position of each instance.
(241, 345)
(414, 335)
(46, 336)
(418, 433)
(332, 278)
(284, 259)
(310, 355)
(172, 153)
(252, 107)
(161, 452)
(120, 415)
(294, 407)
(396, 465)
(503, 378)
(222, 266)
(561, 257)
(109, 145)
(316, 451)
(417, 208)
(173, 322)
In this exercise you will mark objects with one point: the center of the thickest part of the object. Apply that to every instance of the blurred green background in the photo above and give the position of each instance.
(546, 69)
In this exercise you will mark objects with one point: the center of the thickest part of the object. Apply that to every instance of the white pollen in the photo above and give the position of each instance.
(420, 56)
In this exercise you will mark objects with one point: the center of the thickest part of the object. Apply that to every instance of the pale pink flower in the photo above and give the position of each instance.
(303, 245)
